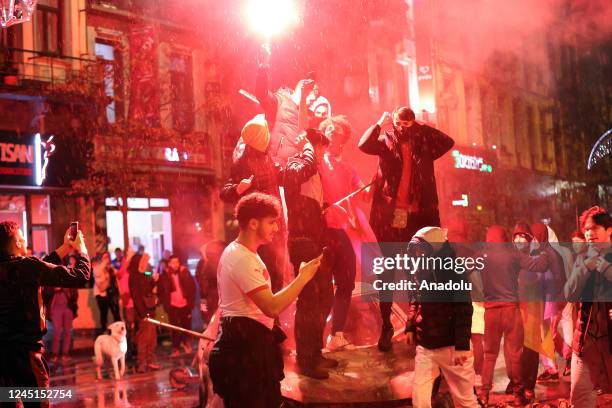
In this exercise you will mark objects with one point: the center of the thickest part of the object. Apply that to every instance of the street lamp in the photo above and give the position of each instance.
(15, 11)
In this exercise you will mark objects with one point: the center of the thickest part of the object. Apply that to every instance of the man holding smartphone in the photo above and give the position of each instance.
(22, 317)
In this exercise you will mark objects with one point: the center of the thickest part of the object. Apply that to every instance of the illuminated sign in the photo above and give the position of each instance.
(461, 203)
(467, 162)
(24, 158)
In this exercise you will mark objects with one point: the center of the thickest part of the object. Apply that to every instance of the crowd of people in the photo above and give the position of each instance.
(295, 197)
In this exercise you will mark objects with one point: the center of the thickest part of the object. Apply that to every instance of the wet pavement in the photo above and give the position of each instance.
(347, 385)
(150, 389)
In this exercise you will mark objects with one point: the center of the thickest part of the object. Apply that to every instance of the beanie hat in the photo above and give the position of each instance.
(255, 133)
(431, 234)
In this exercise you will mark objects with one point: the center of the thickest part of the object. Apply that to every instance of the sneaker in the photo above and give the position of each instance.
(385, 340)
(175, 353)
(328, 362)
(548, 377)
(338, 342)
(510, 388)
(529, 395)
(567, 371)
(519, 400)
(316, 370)
(483, 398)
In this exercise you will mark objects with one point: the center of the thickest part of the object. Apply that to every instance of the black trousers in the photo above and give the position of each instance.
(21, 366)
(181, 317)
(389, 234)
(104, 304)
(313, 304)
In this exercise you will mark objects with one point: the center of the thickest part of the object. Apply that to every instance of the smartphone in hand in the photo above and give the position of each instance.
(74, 229)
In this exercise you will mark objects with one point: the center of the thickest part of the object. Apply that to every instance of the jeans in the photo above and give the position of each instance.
(146, 341)
(594, 366)
(313, 304)
(344, 270)
(61, 316)
(503, 322)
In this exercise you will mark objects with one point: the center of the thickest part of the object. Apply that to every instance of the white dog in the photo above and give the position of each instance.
(114, 346)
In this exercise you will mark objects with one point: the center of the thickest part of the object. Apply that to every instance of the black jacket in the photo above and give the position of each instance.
(141, 289)
(22, 317)
(249, 162)
(441, 324)
(427, 145)
(305, 216)
(166, 287)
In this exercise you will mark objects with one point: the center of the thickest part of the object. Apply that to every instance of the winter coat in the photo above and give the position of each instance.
(441, 324)
(427, 145)
(589, 286)
(282, 115)
(305, 216)
(166, 287)
(248, 162)
(142, 289)
(22, 317)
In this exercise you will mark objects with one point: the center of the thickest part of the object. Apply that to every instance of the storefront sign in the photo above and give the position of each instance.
(461, 203)
(467, 162)
(24, 158)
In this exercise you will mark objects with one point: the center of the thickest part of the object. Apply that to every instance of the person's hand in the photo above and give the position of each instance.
(244, 184)
(79, 243)
(534, 246)
(461, 356)
(596, 262)
(264, 54)
(367, 194)
(203, 307)
(385, 119)
(306, 87)
(410, 339)
(308, 269)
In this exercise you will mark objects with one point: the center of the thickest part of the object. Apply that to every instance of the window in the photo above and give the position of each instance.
(181, 88)
(48, 26)
(112, 77)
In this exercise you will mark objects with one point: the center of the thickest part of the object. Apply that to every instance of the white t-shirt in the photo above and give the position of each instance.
(241, 272)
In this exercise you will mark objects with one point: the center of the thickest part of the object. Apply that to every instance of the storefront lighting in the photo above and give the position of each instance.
(461, 203)
(38, 160)
(468, 162)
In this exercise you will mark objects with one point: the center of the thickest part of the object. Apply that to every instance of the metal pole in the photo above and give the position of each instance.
(173, 327)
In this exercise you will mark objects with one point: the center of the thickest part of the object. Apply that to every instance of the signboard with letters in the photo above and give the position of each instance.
(24, 158)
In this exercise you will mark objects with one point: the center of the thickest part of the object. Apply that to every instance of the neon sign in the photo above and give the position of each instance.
(467, 162)
(461, 203)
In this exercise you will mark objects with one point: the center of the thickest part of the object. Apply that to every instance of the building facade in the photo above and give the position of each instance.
(91, 73)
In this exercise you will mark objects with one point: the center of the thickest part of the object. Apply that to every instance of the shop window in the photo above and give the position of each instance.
(138, 203)
(41, 213)
(159, 202)
(48, 26)
(13, 208)
(40, 240)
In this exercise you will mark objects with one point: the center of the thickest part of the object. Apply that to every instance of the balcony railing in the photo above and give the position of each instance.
(34, 69)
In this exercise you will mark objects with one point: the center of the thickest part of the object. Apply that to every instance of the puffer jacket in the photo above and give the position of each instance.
(441, 324)
(305, 216)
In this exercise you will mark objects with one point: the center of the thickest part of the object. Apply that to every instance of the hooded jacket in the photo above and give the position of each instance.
(22, 316)
(440, 324)
(427, 145)
(501, 269)
(553, 276)
(166, 287)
